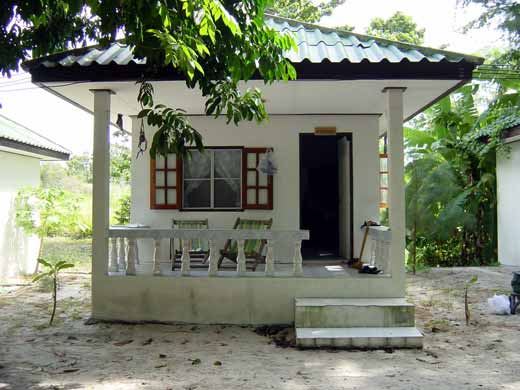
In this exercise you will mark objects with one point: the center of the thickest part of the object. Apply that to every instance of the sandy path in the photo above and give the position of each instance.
(71, 355)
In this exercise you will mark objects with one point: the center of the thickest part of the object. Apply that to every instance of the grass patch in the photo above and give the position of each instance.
(77, 252)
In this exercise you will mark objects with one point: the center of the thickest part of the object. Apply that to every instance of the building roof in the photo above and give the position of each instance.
(316, 46)
(16, 136)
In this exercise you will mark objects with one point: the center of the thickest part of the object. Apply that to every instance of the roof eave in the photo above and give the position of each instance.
(35, 150)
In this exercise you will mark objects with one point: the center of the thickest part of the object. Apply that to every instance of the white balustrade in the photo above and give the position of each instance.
(130, 257)
(241, 257)
(298, 261)
(112, 266)
(269, 259)
(156, 259)
(120, 235)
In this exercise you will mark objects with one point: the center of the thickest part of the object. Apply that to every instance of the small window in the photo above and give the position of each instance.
(165, 183)
(213, 180)
(218, 178)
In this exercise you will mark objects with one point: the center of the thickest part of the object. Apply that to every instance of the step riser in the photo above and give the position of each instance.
(354, 316)
(362, 342)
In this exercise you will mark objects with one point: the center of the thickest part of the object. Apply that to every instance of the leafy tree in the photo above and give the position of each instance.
(304, 10)
(120, 163)
(46, 212)
(122, 213)
(214, 44)
(399, 27)
(81, 166)
(52, 271)
(451, 185)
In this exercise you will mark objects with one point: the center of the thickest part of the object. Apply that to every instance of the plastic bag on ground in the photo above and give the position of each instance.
(499, 304)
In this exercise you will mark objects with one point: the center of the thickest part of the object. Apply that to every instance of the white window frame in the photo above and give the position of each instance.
(212, 180)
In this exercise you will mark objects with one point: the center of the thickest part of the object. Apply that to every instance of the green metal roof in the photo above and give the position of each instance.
(12, 131)
(316, 44)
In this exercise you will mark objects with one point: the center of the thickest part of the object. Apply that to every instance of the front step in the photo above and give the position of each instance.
(354, 313)
(359, 338)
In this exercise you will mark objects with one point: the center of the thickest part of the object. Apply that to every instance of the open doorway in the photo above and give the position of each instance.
(326, 195)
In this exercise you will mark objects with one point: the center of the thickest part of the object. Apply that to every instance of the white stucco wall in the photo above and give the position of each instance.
(18, 252)
(282, 133)
(508, 189)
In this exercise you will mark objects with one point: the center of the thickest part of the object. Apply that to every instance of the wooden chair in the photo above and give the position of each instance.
(253, 248)
(199, 250)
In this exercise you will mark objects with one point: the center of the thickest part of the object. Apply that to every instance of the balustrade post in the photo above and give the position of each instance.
(185, 258)
(121, 262)
(212, 258)
(130, 261)
(112, 267)
(156, 258)
(269, 259)
(241, 258)
(298, 261)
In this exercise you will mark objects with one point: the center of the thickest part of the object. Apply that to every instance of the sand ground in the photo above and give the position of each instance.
(72, 355)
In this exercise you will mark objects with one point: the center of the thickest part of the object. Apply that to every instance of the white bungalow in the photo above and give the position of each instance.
(324, 130)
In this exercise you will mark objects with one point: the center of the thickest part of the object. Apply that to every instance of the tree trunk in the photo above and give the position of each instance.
(414, 247)
(54, 296)
(40, 250)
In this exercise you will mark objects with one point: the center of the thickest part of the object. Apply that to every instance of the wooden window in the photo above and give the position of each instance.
(257, 188)
(165, 182)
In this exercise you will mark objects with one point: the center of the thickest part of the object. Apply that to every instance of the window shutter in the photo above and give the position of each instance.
(257, 187)
(165, 182)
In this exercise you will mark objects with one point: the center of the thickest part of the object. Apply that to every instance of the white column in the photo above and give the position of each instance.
(396, 193)
(100, 190)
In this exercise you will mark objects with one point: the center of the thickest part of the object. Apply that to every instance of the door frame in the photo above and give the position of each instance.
(350, 137)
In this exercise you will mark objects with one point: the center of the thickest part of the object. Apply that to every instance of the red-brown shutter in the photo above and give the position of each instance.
(166, 182)
(257, 187)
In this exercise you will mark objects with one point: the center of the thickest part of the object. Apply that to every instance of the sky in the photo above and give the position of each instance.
(71, 127)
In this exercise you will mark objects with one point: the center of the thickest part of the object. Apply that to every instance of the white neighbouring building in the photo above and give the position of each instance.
(21, 151)
(324, 130)
(508, 192)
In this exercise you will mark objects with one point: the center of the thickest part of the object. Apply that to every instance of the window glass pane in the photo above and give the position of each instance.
(251, 160)
(251, 178)
(198, 166)
(159, 161)
(197, 194)
(262, 179)
(172, 161)
(227, 193)
(159, 197)
(172, 178)
(251, 196)
(384, 180)
(228, 163)
(262, 197)
(159, 178)
(383, 164)
(171, 196)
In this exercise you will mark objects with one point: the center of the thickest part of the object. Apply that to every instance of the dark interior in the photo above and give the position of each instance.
(319, 197)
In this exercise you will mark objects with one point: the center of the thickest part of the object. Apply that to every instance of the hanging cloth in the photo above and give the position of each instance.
(267, 164)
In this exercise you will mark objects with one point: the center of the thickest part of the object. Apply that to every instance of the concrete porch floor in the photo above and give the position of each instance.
(311, 269)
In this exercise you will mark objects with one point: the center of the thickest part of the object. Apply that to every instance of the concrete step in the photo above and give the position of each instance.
(359, 338)
(353, 312)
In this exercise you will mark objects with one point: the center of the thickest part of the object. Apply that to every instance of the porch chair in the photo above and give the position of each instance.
(199, 250)
(253, 248)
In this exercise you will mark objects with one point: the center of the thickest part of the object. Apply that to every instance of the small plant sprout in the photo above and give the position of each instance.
(470, 282)
(52, 271)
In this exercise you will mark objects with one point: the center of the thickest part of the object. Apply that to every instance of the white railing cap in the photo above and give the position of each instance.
(209, 234)
(382, 233)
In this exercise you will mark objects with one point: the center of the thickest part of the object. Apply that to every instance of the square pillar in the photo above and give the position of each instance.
(396, 189)
(100, 189)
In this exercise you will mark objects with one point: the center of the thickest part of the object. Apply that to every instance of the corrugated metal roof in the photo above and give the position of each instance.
(15, 132)
(315, 44)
